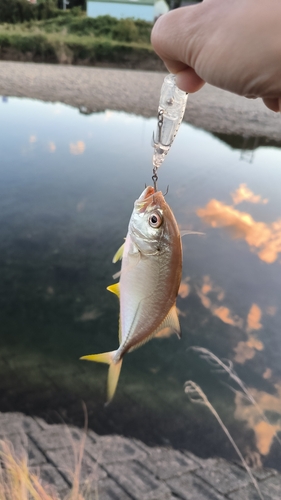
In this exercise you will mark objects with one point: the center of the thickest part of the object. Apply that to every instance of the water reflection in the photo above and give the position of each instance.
(266, 238)
(246, 144)
(265, 431)
(243, 193)
(68, 183)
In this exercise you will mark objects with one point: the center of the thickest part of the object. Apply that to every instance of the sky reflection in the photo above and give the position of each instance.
(67, 186)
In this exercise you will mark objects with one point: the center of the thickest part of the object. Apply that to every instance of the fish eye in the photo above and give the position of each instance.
(155, 220)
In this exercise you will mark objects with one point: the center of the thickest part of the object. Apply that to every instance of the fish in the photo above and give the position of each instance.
(150, 277)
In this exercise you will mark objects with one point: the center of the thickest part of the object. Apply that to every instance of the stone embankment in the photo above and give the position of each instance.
(95, 89)
(116, 468)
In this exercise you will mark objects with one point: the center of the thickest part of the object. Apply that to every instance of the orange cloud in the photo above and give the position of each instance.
(243, 193)
(264, 238)
(267, 374)
(247, 350)
(264, 431)
(32, 139)
(222, 312)
(253, 318)
(77, 148)
(184, 288)
(225, 315)
(52, 147)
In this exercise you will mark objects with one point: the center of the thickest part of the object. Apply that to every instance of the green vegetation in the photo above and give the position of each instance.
(51, 35)
(18, 11)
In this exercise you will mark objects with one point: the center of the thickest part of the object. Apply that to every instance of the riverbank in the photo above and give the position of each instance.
(93, 89)
(115, 467)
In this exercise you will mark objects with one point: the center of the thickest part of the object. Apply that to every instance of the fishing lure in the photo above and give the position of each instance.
(171, 109)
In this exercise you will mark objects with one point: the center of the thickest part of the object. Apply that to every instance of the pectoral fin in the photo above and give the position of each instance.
(169, 325)
(119, 254)
(113, 372)
(185, 232)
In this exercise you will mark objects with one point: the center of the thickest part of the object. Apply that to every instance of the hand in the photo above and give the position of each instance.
(232, 44)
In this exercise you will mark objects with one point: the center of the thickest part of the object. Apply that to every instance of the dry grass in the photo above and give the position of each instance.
(197, 395)
(19, 481)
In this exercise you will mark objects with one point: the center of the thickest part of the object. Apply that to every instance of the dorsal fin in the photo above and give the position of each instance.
(114, 289)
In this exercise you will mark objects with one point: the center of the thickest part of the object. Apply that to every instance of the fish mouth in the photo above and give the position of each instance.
(149, 191)
(146, 198)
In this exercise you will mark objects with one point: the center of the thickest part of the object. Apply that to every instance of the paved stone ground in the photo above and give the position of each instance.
(116, 468)
(95, 89)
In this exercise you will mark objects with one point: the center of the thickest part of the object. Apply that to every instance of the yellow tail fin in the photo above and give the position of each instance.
(113, 372)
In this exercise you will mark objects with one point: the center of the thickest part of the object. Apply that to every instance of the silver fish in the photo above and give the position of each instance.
(149, 280)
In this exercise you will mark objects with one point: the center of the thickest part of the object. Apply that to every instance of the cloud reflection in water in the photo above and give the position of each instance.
(264, 239)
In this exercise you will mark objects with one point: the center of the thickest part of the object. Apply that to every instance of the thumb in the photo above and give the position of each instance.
(174, 38)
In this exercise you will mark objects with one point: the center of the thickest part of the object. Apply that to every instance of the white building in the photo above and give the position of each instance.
(148, 10)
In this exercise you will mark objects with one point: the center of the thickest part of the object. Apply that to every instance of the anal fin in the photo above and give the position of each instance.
(169, 325)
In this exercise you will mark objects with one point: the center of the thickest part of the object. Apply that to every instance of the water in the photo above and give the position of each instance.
(67, 187)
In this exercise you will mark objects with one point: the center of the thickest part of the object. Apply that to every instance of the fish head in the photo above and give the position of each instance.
(152, 224)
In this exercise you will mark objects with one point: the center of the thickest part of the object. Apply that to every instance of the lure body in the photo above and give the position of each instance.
(170, 114)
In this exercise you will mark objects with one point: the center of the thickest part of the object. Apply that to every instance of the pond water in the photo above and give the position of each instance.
(67, 186)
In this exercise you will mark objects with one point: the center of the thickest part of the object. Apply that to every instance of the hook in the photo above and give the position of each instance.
(155, 178)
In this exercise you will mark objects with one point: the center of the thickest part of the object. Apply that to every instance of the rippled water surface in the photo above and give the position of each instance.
(67, 186)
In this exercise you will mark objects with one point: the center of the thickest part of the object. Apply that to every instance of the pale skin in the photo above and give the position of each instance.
(232, 44)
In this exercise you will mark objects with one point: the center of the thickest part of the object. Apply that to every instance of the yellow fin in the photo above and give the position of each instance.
(114, 289)
(113, 372)
(105, 357)
(119, 254)
(113, 377)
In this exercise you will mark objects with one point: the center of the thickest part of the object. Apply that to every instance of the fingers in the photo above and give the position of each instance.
(171, 38)
(272, 103)
(189, 81)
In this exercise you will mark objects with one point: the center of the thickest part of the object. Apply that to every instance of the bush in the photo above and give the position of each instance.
(19, 11)
(14, 11)
(36, 46)
(125, 31)
(71, 49)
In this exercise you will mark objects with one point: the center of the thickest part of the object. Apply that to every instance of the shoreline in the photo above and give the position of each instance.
(95, 89)
(127, 469)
